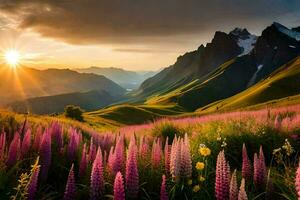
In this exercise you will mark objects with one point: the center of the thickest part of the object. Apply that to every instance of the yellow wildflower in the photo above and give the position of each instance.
(190, 182)
(200, 165)
(201, 178)
(204, 151)
(196, 188)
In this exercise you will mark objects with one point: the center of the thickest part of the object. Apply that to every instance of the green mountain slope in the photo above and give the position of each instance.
(281, 83)
(27, 83)
(230, 78)
(126, 114)
(88, 101)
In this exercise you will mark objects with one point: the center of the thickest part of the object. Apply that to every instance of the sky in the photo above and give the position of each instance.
(130, 34)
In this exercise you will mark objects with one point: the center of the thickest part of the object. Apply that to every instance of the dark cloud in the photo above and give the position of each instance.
(120, 21)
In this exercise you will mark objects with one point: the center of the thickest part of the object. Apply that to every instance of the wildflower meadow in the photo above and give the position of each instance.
(231, 156)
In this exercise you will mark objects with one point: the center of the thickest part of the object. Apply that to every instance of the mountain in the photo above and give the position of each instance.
(222, 69)
(88, 101)
(198, 63)
(282, 85)
(127, 79)
(24, 83)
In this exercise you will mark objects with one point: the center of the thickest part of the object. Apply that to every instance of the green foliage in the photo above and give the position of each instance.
(74, 112)
(166, 129)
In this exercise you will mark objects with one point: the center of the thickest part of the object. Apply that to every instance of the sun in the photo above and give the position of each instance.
(12, 58)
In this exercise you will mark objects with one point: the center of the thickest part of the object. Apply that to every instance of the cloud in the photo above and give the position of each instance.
(138, 21)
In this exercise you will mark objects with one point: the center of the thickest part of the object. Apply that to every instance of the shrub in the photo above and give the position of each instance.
(166, 128)
(74, 112)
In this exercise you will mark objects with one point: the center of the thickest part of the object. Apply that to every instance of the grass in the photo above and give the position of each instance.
(226, 131)
(282, 83)
(127, 114)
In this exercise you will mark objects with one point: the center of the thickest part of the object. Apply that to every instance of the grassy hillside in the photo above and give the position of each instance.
(230, 78)
(27, 83)
(126, 114)
(88, 101)
(282, 83)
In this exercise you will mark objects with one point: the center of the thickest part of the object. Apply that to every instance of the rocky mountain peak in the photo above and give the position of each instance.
(241, 33)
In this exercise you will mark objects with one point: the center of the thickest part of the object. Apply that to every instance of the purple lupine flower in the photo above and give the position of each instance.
(26, 143)
(167, 156)
(70, 187)
(242, 192)
(83, 162)
(72, 145)
(2, 145)
(163, 190)
(246, 166)
(222, 178)
(132, 175)
(156, 153)
(233, 192)
(57, 134)
(297, 181)
(33, 184)
(186, 161)
(14, 149)
(119, 192)
(118, 161)
(260, 171)
(97, 182)
(37, 139)
(45, 153)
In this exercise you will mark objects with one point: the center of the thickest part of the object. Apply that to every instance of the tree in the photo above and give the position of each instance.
(74, 112)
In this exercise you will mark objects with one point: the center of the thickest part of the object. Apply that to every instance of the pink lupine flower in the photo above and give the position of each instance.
(277, 123)
(163, 190)
(14, 149)
(92, 151)
(37, 139)
(233, 193)
(242, 192)
(186, 161)
(70, 187)
(57, 134)
(33, 184)
(45, 154)
(167, 156)
(97, 182)
(2, 145)
(110, 160)
(175, 160)
(246, 166)
(297, 181)
(260, 171)
(83, 162)
(180, 159)
(132, 176)
(144, 147)
(156, 153)
(119, 192)
(222, 177)
(118, 158)
(26, 143)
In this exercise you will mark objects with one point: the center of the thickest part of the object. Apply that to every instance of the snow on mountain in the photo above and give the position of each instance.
(247, 44)
(253, 78)
(244, 39)
(288, 32)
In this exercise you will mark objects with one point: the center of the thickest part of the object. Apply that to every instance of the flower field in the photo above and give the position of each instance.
(235, 156)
